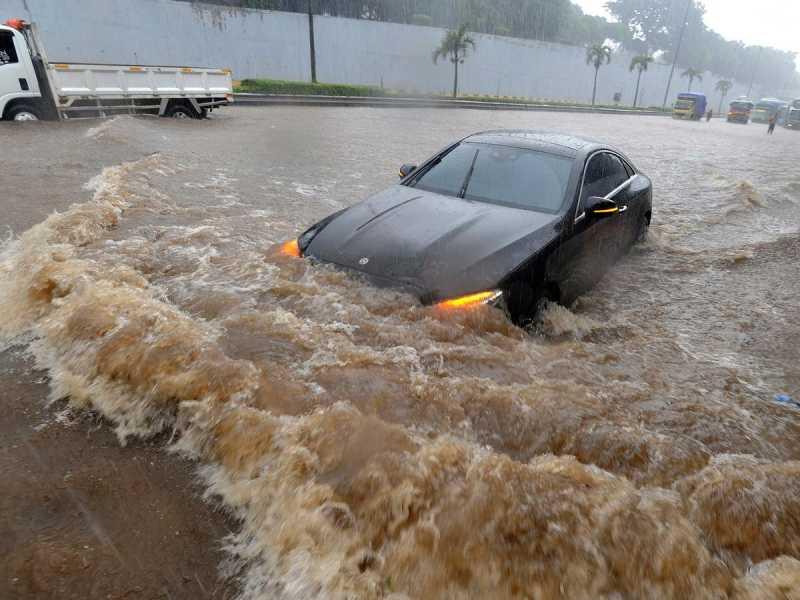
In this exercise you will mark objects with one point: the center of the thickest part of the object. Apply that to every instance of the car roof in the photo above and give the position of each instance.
(555, 143)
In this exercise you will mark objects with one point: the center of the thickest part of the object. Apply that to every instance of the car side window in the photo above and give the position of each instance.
(8, 53)
(617, 173)
(604, 173)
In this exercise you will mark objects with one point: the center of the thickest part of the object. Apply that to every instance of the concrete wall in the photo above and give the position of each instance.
(169, 33)
(273, 44)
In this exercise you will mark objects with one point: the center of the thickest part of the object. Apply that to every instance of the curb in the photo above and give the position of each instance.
(252, 99)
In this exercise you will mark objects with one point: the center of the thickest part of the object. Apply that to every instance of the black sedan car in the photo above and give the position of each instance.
(502, 217)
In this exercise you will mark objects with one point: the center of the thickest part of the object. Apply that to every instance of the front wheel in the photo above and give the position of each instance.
(523, 302)
(23, 112)
(642, 229)
(180, 111)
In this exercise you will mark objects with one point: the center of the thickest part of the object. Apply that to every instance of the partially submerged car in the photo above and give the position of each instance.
(502, 217)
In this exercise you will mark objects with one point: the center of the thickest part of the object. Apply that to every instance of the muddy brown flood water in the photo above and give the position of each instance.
(371, 448)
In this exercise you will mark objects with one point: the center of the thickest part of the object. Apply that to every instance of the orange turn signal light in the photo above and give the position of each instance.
(17, 24)
(291, 248)
(471, 300)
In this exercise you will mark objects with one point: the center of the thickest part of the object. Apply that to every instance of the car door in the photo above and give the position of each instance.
(634, 197)
(592, 244)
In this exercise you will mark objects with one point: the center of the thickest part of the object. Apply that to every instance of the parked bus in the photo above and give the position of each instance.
(739, 111)
(766, 108)
(690, 106)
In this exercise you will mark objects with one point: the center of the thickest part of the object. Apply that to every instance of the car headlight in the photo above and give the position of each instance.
(471, 300)
(304, 241)
(291, 248)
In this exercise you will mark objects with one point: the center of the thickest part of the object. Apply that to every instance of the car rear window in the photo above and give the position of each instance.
(496, 174)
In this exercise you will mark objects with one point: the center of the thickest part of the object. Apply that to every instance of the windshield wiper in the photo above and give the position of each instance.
(469, 175)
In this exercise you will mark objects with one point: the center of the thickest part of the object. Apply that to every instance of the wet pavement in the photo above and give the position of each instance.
(629, 447)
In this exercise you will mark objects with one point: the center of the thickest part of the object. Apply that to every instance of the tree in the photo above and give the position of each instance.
(640, 63)
(692, 74)
(597, 55)
(723, 87)
(647, 21)
(454, 47)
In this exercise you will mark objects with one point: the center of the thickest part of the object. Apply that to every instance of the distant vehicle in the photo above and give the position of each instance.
(793, 115)
(739, 111)
(766, 108)
(31, 88)
(506, 218)
(690, 106)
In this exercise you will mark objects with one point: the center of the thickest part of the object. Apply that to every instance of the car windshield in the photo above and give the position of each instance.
(741, 106)
(505, 175)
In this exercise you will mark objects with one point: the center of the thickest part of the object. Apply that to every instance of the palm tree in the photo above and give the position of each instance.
(596, 55)
(692, 74)
(454, 46)
(640, 63)
(723, 87)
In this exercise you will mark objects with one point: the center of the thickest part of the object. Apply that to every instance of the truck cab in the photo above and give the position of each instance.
(739, 111)
(20, 86)
(690, 106)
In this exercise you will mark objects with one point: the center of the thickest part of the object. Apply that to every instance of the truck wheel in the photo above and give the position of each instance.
(22, 112)
(180, 111)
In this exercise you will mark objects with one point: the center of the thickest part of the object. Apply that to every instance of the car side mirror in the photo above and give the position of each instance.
(599, 207)
(406, 170)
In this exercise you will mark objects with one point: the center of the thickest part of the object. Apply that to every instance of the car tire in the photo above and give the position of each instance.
(180, 111)
(523, 302)
(23, 112)
(642, 229)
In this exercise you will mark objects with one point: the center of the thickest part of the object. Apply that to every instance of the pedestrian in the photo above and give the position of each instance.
(772, 121)
(709, 115)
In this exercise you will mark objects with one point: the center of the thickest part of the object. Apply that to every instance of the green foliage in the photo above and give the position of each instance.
(691, 73)
(274, 86)
(724, 86)
(420, 19)
(302, 88)
(641, 62)
(597, 55)
(652, 25)
(454, 46)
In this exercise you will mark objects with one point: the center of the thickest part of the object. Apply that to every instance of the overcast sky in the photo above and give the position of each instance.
(763, 23)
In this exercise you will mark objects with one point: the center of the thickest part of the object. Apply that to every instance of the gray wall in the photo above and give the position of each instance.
(273, 44)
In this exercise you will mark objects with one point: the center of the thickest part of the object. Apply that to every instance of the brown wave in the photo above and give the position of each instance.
(376, 450)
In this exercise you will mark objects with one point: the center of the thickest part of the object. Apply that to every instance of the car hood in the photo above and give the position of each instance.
(436, 246)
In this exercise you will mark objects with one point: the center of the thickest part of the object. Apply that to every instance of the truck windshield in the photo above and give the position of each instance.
(684, 104)
(515, 177)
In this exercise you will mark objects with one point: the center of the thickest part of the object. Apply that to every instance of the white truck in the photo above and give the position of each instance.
(32, 88)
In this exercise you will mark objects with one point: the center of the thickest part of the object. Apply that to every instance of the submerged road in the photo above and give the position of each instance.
(631, 446)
